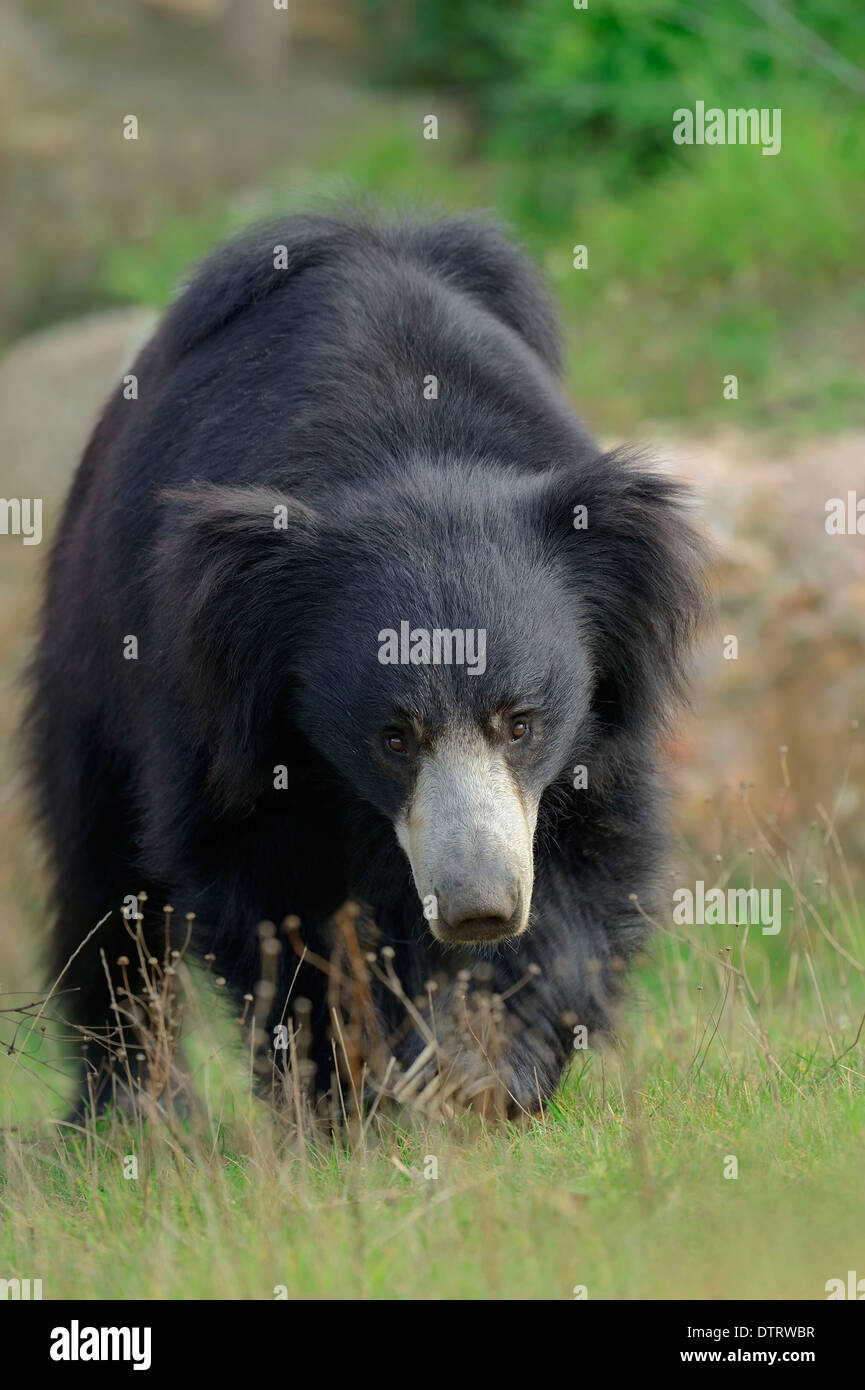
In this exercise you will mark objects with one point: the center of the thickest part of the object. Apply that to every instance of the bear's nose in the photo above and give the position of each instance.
(475, 910)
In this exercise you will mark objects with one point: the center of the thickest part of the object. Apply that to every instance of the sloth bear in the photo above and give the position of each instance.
(347, 606)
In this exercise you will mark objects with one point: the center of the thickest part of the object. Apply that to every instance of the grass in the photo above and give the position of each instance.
(737, 1046)
(631, 1203)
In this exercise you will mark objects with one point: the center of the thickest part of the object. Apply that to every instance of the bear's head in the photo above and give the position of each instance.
(455, 641)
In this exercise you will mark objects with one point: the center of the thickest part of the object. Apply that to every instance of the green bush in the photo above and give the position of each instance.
(594, 90)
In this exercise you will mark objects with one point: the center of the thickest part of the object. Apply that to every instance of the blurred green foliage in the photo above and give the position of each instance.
(547, 83)
(702, 261)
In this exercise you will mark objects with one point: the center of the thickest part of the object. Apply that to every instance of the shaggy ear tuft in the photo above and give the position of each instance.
(638, 566)
(231, 570)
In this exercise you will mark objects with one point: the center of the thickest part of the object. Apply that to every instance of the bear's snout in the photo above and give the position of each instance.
(478, 903)
(468, 834)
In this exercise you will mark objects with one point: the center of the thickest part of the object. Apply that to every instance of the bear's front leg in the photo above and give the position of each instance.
(498, 1035)
(488, 1042)
(472, 1048)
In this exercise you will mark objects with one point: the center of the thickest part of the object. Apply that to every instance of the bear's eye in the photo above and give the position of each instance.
(519, 729)
(395, 743)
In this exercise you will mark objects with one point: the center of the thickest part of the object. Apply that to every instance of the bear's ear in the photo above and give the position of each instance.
(637, 566)
(233, 578)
